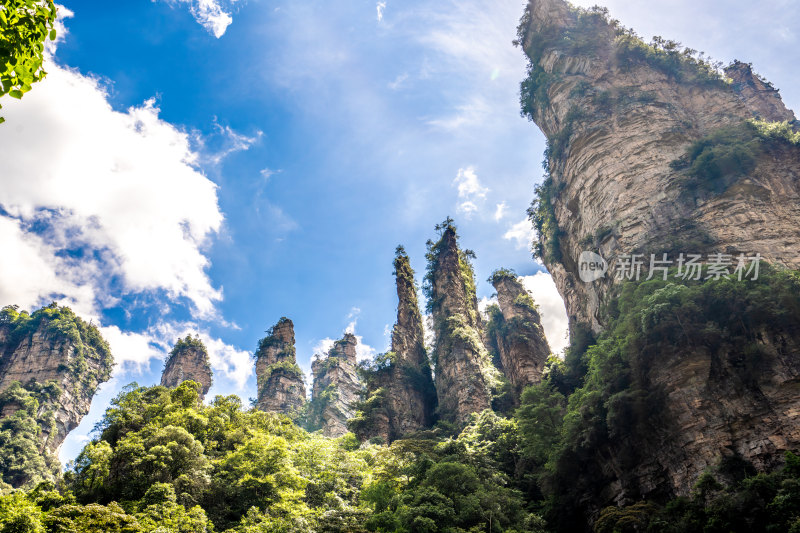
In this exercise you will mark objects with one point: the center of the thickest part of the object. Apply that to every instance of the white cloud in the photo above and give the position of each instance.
(233, 363)
(267, 173)
(522, 232)
(398, 81)
(381, 6)
(213, 15)
(470, 191)
(485, 302)
(133, 351)
(323, 347)
(500, 212)
(91, 195)
(364, 351)
(551, 307)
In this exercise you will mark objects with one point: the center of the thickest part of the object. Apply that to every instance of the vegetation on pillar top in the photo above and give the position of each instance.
(62, 325)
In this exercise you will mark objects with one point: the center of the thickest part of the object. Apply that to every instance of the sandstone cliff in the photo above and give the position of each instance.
(515, 332)
(400, 397)
(620, 117)
(188, 360)
(336, 388)
(462, 364)
(650, 151)
(51, 364)
(281, 388)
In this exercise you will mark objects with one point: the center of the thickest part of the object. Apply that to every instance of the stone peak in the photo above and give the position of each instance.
(282, 331)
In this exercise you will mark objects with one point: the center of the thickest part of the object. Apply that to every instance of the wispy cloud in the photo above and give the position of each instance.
(522, 232)
(380, 7)
(471, 193)
(214, 15)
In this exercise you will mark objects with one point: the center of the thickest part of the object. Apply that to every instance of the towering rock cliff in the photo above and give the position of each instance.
(462, 364)
(515, 332)
(650, 151)
(51, 364)
(188, 360)
(281, 388)
(336, 388)
(400, 397)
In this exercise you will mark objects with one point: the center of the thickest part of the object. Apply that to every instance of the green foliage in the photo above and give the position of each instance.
(684, 64)
(22, 461)
(547, 243)
(284, 366)
(714, 162)
(368, 410)
(501, 274)
(189, 343)
(747, 502)
(19, 515)
(24, 27)
(614, 406)
(459, 484)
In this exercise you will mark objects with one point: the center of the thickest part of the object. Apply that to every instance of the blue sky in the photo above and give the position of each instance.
(204, 166)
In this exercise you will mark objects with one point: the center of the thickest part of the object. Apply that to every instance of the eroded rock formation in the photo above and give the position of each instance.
(400, 397)
(651, 152)
(281, 386)
(517, 332)
(620, 117)
(188, 360)
(462, 364)
(56, 358)
(336, 388)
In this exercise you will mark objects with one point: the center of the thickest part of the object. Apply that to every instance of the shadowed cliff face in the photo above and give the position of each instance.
(281, 388)
(60, 357)
(188, 361)
(519, 337)
(651, 152)
(461, 360)
(336, 388)
(618, 116)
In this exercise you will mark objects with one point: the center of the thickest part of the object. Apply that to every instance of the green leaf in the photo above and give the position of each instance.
(53, 34)
(15, 94)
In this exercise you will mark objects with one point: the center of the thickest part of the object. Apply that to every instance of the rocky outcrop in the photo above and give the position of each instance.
(336, 388)
(620, 117)
(758, 95)
(517, 332)
(463, 368)
(188, 360)
(281, 386)
(650, 152)
(58, 359)
(400, 397)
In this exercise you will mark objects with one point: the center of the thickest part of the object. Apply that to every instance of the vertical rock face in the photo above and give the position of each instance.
(462, 364)
(188, 360)
(336, 388)
(623, 120)
(618, 117)
(518, 333)
(57, 359)
(281, 388)
(400, 396)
